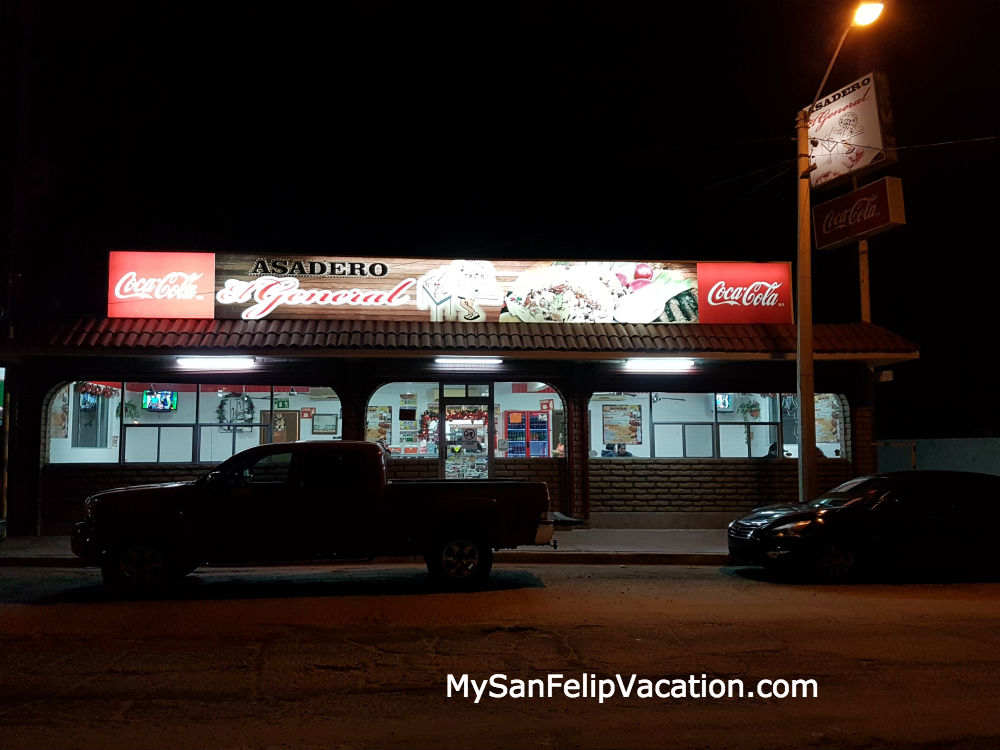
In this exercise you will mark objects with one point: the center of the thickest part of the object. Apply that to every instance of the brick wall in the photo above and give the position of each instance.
(622, 484)
(693, 485)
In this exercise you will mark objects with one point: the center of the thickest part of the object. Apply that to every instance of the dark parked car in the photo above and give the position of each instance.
(912, 523)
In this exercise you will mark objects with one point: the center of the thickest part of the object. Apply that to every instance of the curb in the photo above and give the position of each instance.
(41, 561)
(612, 558)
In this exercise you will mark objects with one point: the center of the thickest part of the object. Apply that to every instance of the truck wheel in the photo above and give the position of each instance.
(460, 560)
(135, 566)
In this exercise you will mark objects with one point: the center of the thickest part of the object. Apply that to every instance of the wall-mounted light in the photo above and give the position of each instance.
(659, 364)
(216, 363)
(468, 362)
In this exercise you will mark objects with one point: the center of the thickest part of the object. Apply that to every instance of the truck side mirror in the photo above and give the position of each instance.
(220, 479)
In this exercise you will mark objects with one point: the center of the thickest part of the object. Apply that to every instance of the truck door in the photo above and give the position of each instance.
(341, 495)
(248, 512)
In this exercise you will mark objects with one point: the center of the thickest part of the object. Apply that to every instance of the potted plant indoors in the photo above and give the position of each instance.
(749, 409)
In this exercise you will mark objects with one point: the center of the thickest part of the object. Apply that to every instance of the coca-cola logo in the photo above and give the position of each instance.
(173, 285)
(744, 293)
(160, 285)
(755, 294)
(862, 210)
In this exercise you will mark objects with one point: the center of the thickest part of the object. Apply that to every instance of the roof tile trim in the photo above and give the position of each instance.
(107, 335)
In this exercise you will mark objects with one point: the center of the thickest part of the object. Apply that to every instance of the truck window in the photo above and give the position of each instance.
(272, 469)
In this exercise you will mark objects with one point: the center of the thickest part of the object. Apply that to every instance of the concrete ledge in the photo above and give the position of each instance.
(551, 557)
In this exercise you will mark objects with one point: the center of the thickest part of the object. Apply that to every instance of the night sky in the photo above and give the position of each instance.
(632, 130)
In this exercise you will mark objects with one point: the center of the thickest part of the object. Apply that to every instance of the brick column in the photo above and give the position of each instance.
(863, 440)
(354, 408)
(576, 498)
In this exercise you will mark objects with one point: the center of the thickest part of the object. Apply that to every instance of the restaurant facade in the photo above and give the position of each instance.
(646, 393)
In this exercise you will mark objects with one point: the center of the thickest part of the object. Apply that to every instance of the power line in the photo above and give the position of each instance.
(782, 165)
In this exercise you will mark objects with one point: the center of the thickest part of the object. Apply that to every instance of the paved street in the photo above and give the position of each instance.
(359, 656)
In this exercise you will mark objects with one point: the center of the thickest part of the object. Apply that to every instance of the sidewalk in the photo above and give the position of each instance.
(581, 546)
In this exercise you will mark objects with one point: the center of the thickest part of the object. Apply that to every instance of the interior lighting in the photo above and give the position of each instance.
(659, 364)
(216, 363)
(468, 361)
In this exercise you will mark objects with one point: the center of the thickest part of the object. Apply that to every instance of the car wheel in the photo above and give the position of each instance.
(837, 563)
(460, 560)
(136, 566)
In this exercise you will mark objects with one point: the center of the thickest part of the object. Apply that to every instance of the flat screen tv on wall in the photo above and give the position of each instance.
(159, 400)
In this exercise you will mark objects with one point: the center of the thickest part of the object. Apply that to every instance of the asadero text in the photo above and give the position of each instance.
(287, 267)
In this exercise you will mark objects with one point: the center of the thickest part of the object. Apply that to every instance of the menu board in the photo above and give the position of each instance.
(827, 418)
(379, 424)
(622, 423)
(409, 430)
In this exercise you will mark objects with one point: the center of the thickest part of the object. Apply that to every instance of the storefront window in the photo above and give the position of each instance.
(83, 423)
(527, 421)
(829, 424)
(621, 423)
(91, 407)
(707, 425)
(530, 421)
(404, 416)
(183, 422)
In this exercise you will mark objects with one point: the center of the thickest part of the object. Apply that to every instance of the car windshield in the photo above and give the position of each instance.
(853, 492)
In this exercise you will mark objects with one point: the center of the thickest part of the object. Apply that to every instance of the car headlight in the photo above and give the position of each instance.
(791, 529)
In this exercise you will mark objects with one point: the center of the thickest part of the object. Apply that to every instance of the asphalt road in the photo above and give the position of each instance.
(359, 656)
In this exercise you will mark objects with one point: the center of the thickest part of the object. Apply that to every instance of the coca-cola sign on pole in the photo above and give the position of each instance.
(745, 293)
(859, 214)
(161, 285)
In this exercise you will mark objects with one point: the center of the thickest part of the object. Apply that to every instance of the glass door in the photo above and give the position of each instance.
(466, 430)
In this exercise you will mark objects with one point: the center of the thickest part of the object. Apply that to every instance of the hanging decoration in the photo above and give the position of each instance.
(97, 389)
(234, 409)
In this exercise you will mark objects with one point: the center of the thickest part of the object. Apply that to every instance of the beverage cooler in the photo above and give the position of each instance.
(527, 433)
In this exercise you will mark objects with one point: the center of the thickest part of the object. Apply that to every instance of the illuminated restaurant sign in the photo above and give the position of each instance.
(251, 287)
(161, 285)
(847, 133)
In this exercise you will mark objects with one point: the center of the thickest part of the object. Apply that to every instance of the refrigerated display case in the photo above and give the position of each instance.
(527, 433)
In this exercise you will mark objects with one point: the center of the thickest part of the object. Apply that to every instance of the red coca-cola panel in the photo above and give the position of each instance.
(161, 285)
(745, 293)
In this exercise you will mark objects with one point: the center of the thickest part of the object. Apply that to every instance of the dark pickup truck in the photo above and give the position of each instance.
(302, 501)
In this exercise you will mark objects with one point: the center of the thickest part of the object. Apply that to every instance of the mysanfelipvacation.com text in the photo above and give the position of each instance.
(588, 686)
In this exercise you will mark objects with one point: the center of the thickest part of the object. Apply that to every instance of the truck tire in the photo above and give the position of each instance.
(460, 560)
(137, 566)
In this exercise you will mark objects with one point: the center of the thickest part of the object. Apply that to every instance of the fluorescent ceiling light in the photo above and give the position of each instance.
(659, 364)
(468, 361)
(216, 363)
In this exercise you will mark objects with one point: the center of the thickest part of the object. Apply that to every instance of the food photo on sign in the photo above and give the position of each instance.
(596, 292)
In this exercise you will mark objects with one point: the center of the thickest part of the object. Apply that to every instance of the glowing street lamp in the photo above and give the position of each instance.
(864, 15)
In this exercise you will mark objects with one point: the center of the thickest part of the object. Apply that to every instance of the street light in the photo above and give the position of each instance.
(864, 15)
